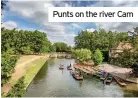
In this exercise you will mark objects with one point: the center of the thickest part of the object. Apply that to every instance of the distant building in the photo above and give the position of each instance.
(113, 52)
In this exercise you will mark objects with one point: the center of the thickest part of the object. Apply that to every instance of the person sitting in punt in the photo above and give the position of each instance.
(70, 64)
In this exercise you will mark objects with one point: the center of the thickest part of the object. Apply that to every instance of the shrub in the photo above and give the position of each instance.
(98, 57)
(18, 89)
(7, 67)
(82, 54)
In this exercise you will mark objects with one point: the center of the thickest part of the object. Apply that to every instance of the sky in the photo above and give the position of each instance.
(33, 15)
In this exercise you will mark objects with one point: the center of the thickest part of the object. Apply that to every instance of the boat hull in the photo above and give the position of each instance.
(69, 68)
(61, 67)
(80, 78)
(119, 82)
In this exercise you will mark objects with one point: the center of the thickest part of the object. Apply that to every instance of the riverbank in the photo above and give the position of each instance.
(123, 73)
(28, 66)
(33, 69)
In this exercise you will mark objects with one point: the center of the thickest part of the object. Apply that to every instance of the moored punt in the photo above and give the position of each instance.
(119, 81)
(106, 77)
(69, 67)
(61, 67)
(76, 76)
(109, 79)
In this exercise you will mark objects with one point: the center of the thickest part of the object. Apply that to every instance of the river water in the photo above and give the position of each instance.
(52, 82)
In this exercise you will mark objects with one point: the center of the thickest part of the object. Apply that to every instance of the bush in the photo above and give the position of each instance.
(82, 54)
(126, 58)
(98, 57)
(7, 67)
(18, 89)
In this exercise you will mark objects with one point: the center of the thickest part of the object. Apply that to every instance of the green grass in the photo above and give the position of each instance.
(33, 69)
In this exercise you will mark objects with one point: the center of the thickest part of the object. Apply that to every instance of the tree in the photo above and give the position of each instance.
(24, 42)
(126, 58)
(7, 67)
(82, 54)
(52, 48)
(98, 57)
(61, 47)
(136, 30)
(25, 50)
(3, 4)
(99, 39)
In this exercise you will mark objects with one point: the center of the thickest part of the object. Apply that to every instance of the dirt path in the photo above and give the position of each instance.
(20, 70)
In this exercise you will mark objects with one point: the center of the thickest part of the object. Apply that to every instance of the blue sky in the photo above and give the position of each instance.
(32, 15)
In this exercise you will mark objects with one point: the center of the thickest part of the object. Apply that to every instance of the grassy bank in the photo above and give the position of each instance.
(27, 66)
(33, 69)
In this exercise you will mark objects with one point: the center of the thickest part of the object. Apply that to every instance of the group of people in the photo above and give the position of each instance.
(106, 76)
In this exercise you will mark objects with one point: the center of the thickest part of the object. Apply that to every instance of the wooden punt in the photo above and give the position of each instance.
(76, 76)
(61, 67)
(109, 79)
(69, 67)
(119, 81)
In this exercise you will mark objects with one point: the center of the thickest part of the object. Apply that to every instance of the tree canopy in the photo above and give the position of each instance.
(24, 42)
(61, 47)
(128, 58)
(101, 39)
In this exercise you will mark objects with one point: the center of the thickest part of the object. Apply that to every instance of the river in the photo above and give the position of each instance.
(52, 82)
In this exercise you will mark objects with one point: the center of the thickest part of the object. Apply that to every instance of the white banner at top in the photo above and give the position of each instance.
(93, 14)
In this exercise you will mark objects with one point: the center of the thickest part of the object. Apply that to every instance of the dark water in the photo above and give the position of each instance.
(52, 82)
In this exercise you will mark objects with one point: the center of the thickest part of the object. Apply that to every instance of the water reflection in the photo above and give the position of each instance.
(41, 74)
(81, 82)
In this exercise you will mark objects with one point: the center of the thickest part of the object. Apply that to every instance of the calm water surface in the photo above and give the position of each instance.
(52, 82)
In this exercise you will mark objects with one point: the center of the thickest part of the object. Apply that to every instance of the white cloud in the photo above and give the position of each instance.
(9, 25)
(37, 11)
(75, 25)
(116, 3)
(117, 26)
(90, 30)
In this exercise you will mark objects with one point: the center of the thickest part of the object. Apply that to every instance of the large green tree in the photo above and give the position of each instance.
(128, 58)
(82, 54)
(24, 42)
(101, 39)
